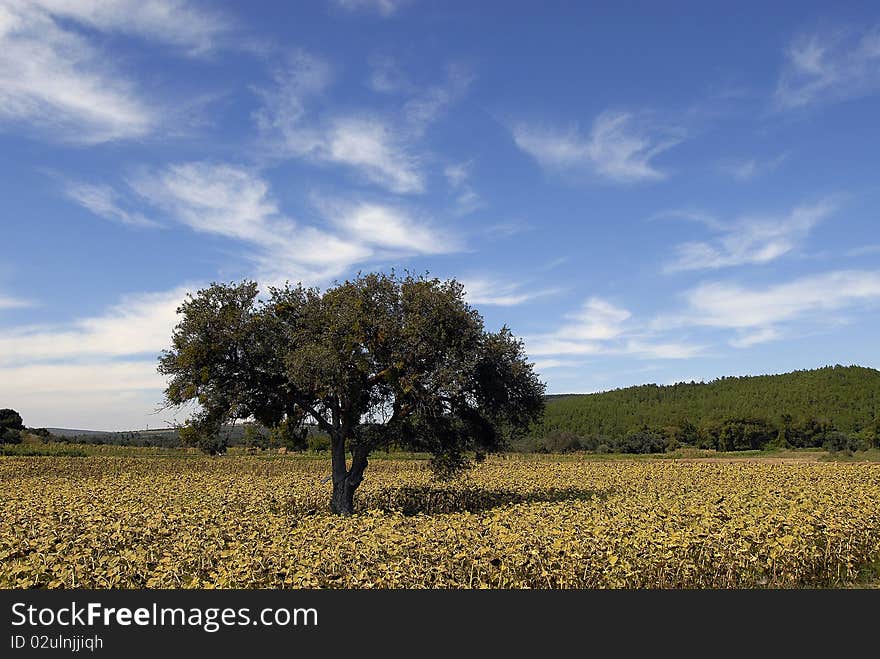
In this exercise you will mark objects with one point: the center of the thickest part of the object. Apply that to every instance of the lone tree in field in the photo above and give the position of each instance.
(375, 361)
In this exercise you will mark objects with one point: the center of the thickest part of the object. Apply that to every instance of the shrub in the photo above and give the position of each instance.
(644, 440)
(841, 442)
(561, 441)
(318, 442)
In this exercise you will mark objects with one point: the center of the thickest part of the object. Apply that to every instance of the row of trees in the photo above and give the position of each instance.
(732, 434)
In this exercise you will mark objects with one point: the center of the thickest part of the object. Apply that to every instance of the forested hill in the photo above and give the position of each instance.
(846, 397)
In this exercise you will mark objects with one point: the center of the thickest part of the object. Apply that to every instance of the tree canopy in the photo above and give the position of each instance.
(375, 360)
(11, 426)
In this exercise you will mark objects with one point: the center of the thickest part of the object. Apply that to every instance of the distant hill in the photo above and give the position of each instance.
(846, 397)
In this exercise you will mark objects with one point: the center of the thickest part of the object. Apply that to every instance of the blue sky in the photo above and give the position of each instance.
(655, 194)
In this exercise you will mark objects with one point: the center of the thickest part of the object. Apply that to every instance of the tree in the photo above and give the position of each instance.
(746, 434)
(374, 361)
(11, 426)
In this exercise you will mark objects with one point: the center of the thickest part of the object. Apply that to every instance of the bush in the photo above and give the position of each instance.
(289, 436)
(746, 434)
(841, 442)
(9, 436)
(644, 440)
(10, 426)
(561, 441)
(42, 433)
(212, 443)
(318, 442)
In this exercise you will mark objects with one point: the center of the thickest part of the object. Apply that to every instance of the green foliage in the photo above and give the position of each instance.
(745, 435)
(9, 436)
(11, 419)
(318, 442)
(796, 410)
(207, 440)
(561, 441)
(287, 434)
(841, 442)
(643, 440)
(11, 426)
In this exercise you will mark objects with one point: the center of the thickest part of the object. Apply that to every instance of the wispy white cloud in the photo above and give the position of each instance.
(467, 200)
(237, 203)
(55, 78)
(382, 149)
(384, 8)
(180, 23)
(426, 106)
(760, 314)
(752, 240)
(827, 66)
(9, 302)
(104, 201)
(387, 77)
(371, 146)
(619, 147)
(494, 292)
(387, 228)
(139, 324)
(602, 328)
(762, 335)
(750, 168)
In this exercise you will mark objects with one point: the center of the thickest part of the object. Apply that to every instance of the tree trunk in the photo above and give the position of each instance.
(346, 481)
(342, 499)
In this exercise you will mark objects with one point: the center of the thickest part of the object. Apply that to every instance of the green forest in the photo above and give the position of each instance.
(836, 407)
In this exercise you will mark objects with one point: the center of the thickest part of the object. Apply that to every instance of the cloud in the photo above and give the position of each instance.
(457, 173)
(601, 328)
(748, 169)
(138, 324)
(828, 66)
(236, 203)
(752, 240)
(9, 302)
(617, 149)
(367, 144)
(386, 76)
(749, 339)
(384, 8)
(95, 371)
(388, 228)
(104, 201)
(118, 395)
(466, 198)
(425, 107)
(381, 147)
(176, 22)
(758, 313)
(371, 146)
(486, 291)
(54, 78)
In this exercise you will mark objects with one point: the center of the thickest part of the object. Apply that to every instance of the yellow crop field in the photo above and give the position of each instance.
(255, 522)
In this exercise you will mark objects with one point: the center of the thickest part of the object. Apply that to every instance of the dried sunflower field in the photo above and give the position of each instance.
(256, 522)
